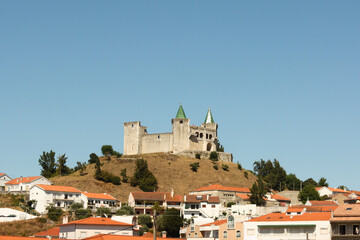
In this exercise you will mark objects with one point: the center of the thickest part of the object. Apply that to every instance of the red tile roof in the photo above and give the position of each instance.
(282, 217)
(222, 188)
(120, 237)
(347, 210)
(99, 196)
(356, 192)
(97, 221)
(323, 203)
(352, 199)
(312, 208)
(17, 238)
(53, 188)
(216, 223)
(243, 196)
(153, 196)
(279, 198)
(22, 180)
(338, 190)
(2, 174)
(54, 232)
(204, 198)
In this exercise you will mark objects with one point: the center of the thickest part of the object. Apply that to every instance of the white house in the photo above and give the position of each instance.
(93, 226)
(201, 206)
(4, 178)
(8, 215)
(328, 191)
(251, 210)
(96, 200)
(23, 185)
(290, 226)
(59, 196)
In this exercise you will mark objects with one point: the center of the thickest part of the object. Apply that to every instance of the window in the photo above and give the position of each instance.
(324, 231)
(203, 206)
(207, 136)
(210, 136)
(213, 206)
(225, 234)
(195, 235)
(356, 229)
(181, 121)
(231, 224)
(82, 235)
(238, 234)
(342, 229)
(201, 135)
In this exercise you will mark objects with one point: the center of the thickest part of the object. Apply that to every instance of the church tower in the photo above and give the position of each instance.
(181, 131)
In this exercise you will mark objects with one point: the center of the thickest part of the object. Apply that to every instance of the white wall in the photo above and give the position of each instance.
(18, 215)
(82, 231)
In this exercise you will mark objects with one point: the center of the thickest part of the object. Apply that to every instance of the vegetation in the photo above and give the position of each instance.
(225, 167)
(54, 213)
(219, 147)
(342, 187)
(125, 178)
(125, 210)
(93, 158)
(24, 227)
(108, 178)
(323, 182)
(107, 150)
(197, 156)
(258, 191)
(47, 163)
(216, 167)
(143, 177)
(309, 193)
(103, 212)
(214, 156)
(272, 173)
(239, 166)
(62, 169)
(79, 211)
(194, 166)
(246, 174)
(81, 167)
(171, 222)
(229, 204)
(311, 182)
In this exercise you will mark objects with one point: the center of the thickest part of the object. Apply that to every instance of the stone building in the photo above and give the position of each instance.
(185, 139)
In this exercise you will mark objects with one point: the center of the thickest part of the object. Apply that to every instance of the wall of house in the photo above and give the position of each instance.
(231, 233)
(4, 179)
(42, 199)
(82, 231)
(161, 142)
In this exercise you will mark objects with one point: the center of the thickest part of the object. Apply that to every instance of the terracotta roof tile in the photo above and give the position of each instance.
(347, 210)
(323, 203)
(22, 180)
(312, 208)
(97, 221)
(99, 196)
(120, 237)
(280, 198)
(175, 198)
(204, 198)
(282, 217)
(53, 188)
(216, 223)
(222, 188)
(243, 196)
(54, 232)
(154, 196)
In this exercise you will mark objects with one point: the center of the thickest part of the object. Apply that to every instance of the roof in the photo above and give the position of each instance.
(356, 192)
(202, 198)
(122, 237)
(282, 217)
(50, 232)
(347, 210)
(175, 198)
(312, 208)
(53, 188)
(323, 203)
(352, 199)
(209, 117)
(22, 180)
(99, 195)
(338, 190)
(216, 223)
(17, 238)
(243, 196)
(2, 174)
(154, 196)
(180, 112)
(96, 221)
(222, 188)
(279, 198)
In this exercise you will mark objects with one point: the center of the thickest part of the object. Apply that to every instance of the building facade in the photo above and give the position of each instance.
(22, 185)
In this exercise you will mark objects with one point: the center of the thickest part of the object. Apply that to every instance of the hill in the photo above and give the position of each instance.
(171, 171)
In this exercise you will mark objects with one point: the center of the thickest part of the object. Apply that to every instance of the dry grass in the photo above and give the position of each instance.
(171, 171)
(24, 227)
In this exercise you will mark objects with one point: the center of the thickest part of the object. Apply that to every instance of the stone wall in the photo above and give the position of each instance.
(161, 142)
(222, 156)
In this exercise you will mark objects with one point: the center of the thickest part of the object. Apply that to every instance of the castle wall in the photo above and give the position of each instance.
(203, 138)
(152, 143)
(222, 156)
(181, 134)
(133, 131)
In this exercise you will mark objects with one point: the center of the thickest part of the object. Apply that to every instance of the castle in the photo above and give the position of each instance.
(185, 139)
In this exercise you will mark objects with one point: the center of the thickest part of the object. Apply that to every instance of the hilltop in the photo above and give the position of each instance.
(171, 171)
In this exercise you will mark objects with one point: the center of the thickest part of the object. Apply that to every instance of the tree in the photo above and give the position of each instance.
(214, 156)
(171, 222)
(322, 182)
(143, 177)
(292, 182)
(125, 178)
(310, 181)
(54, 213)
(272, 173)
(97, 168)
(107, 150)
(308, 193)
(194, 166)
(342, 187)
(47, 162)
(239, 166)
(225, 167)
(81, 167)
(125, 210)
(62, 169)
(145, 220)
(258, 191)
(93, 158)
(103, 211)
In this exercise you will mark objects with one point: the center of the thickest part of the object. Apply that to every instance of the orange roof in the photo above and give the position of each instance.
(18, 238)
(243, 196)
(22, 180)
(53, 188)
(295, 209)
(323, 203)
(312, 208)
(282, 217)
(122, 237)
(204, 198)
(347, 210)
(99, 195)
(280, 198)
(352, 199)
(154, 196)
(339, 190)
(175, 198)
(216, 223)
(356, 192)
(222, 188)
(96, 221)
(2, 174)
(54, 232)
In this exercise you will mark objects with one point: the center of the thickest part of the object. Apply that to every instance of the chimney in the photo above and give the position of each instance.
(185, 198)
(207, 197)
(163, 234)
(65, 219)
(172, 192)
(28, 178)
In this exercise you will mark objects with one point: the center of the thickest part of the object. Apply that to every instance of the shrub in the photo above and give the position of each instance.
(54, 213)
(229, 204)
(82, 213)
(117, 154)
(143, 177)
(108, 177)
(125, 178)
(225, 167)
(239, 166)
(197, 156)
(125, 210)
(214, 156)
(194, 166)
(246, 174)
(103, 210)
(216, 167)
(76, 206)
(93, 158)
(145, 220)
(107, 150)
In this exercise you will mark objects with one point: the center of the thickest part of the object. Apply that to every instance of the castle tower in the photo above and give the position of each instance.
(211, 132)
(181, 131)
(133, 131)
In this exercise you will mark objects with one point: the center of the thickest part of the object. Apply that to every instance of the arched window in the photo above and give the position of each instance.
(210, 136)
(225, 234)
(181, 121)
(207, 136)
(201, 135)
(238, 234)
(208, 147)
(231, 224)
(197, 134)
(195, 235)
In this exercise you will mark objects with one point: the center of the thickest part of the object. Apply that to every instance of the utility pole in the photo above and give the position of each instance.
(154, 224)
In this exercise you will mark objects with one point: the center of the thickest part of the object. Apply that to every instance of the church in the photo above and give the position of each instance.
(185, 139)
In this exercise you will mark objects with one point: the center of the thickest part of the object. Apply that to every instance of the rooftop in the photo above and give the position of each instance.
(216, 223)
(282, 217)
(99, 196)
(22, 180)
(120, 237)
(54, 232)
(201, 198)
(323, 203)
(222, 188)
(96, 221)
(53, 188)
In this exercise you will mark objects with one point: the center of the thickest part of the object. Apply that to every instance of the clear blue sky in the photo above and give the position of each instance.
(282, 79)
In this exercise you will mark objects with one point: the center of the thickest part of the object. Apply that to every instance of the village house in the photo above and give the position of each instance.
(142, 202)
(346, 222)
(328, 191)
(205, 206)
(274, 200)
(4, 178)
(251, 210)
(88, 227)
(320, 203)
(22, 185)
(95, 200)
(52, 233)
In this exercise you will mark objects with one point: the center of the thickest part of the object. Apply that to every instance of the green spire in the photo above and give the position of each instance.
(209, 117)
(180, 113)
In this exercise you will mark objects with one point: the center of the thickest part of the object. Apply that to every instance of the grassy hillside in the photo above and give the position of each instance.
(24, 227)
(171, 171)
